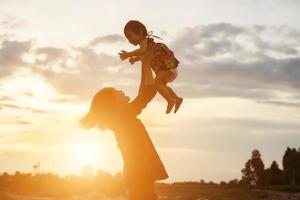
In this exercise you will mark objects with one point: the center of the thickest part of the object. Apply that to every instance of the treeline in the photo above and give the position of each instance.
(255, 174)
(52, 185)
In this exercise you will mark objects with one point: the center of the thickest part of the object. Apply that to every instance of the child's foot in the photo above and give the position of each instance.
(170, 106)
(177, 104)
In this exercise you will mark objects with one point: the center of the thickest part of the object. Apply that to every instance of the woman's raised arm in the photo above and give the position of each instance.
(149, 89)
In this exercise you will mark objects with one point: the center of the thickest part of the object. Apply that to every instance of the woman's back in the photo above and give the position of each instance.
(141, 161)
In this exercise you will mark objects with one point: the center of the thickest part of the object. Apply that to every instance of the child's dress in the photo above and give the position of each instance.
(164, 58)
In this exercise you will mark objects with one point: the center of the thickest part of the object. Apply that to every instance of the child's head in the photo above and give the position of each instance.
(104, 109)
(135, 31)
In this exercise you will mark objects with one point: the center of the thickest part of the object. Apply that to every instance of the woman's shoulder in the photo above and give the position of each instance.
(127, 111)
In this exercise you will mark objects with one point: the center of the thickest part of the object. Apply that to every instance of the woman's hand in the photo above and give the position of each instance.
(146, 65)
(150, 54)
(123, 55)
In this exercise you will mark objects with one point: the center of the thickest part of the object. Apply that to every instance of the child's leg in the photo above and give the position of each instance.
(161, 80)
(172, 93)
(178, 99)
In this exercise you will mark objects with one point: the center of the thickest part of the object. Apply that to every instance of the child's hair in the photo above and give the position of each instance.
(135, 26)
(102, 110)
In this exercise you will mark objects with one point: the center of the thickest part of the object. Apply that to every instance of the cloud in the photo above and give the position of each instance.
(229, 134)
(280, 48)
(12, 23)
(207, 40)
(62, 100)
(230, 77)
(6, 98)
(247, 123)
(17, 121)
(233, 123)
(14, 106)
(4, 36)
(28, 94)
(90, 72)
(235, 61)
(79, 71)
(280, 103)
(224, 39)
(10, 106)
(21, 122)
(216, 60)
(39, 111)
(113, 38)
(11, 56)
(51, 54)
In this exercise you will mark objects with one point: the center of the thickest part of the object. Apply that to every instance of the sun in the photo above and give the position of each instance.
(84, 153)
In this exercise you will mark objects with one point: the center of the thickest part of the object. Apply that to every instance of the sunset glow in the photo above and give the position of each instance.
(238, 75)
(84, 153)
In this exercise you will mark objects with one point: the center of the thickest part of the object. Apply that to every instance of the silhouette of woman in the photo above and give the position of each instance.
(111, 109)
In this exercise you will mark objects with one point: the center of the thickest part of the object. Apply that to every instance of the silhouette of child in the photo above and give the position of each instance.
(164, 64)
(112, 109)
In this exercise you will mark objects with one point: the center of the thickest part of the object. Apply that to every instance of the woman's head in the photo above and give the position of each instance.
(104, 108)
(135, 31)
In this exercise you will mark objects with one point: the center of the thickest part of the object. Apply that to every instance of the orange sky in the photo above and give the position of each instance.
(238, 75)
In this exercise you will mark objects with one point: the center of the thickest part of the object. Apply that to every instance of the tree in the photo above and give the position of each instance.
(258, 167)
(291, 166)
(274, 175)
(36, 168)
(233, 183)
(248, 173)
(253, 173)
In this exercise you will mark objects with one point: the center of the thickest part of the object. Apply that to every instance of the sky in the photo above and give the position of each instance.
(239, 74)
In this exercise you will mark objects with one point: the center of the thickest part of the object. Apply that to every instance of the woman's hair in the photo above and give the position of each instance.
(135, 26)
(102, 110)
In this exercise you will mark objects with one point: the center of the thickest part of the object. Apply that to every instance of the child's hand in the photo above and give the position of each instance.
(132, 60)
(123, 55)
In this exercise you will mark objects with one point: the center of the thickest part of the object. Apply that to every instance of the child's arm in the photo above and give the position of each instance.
(138, 52)
(134, 59)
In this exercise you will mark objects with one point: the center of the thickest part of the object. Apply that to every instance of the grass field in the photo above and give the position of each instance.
(178, 192)
(190, 192)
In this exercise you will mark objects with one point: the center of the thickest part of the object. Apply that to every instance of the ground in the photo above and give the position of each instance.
(178, 192)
